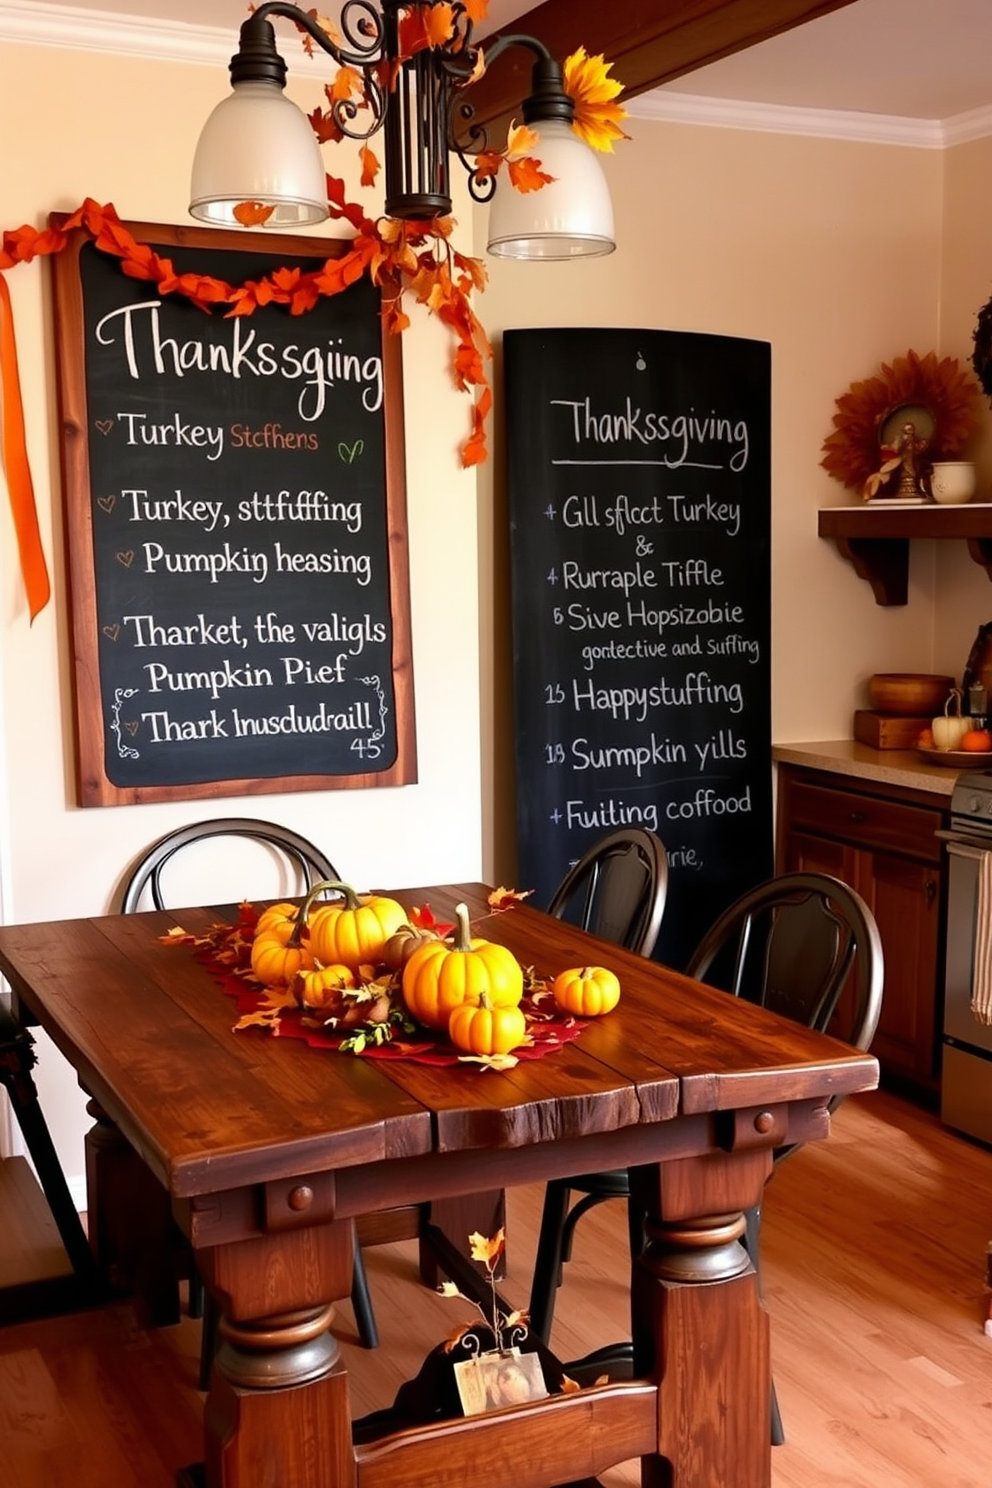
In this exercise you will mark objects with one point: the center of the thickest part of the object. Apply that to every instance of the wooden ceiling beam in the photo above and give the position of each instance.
(649, 42)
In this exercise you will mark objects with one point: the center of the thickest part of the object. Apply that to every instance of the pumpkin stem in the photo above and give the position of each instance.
(351, 899)
(463, 939)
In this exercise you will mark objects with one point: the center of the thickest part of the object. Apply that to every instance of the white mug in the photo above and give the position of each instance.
(952, 481)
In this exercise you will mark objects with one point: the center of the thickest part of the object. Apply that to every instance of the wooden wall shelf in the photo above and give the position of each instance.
(876, 540)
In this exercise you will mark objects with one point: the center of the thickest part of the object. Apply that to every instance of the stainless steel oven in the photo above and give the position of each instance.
(966, 1078)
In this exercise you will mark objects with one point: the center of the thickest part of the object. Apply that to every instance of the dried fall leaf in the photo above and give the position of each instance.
(487, 164)
(325, 126)
(370, 166)
(527, 175)
(347, 83)
(520, 141)
(490, 1061)
(506, 898)
(251, 213)
(487, 1248)
(476, 10)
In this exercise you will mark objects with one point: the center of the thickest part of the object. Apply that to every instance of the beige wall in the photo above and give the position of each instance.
(123, 131)
(840, 255)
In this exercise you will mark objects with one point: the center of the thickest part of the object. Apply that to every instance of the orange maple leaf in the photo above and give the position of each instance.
(487, 1249)
(597, 116)
(527, 175)
(520, 140)
(425, 26)
(506, 898)
(370, 166)
(251, 213)
(346, 83)
(325, 126)
(487, 164)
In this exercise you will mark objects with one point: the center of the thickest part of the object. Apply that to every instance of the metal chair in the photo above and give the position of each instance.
(804, 945)
(617, 890)
(310, 865)
(807, 947)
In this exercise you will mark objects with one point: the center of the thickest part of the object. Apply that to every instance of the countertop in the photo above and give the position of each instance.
(888, 766)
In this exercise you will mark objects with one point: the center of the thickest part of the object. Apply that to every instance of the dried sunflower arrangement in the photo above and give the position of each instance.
(936, 392)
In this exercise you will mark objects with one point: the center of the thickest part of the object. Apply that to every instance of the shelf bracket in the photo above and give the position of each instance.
(883, 562)
(980, 549)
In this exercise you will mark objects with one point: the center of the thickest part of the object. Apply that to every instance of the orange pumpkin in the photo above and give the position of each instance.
(480, 1028)
(353, 932)
(277, 956)
(586, 991)
(440, 976)
(277, 914)
(321, 988)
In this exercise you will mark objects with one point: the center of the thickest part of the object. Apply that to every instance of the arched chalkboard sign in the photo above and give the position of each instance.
(639, 486)
(236, 528)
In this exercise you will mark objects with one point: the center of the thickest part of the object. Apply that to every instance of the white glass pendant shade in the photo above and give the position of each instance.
(257, 146)
(571, 217)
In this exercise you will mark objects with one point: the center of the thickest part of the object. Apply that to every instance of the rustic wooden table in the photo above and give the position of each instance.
(269, 1149)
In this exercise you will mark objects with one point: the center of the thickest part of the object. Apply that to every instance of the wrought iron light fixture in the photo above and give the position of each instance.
(258, 147)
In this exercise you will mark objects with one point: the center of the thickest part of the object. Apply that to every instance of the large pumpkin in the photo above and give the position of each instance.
(353, 932)
(440, 976)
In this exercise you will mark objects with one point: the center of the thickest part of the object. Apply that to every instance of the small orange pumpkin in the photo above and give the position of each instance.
(440, 976)
(277, 955)
(321, 987)
(277, 914)
(480, 1028)
(586, 991)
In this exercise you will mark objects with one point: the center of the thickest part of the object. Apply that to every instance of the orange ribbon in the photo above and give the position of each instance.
(14, 455)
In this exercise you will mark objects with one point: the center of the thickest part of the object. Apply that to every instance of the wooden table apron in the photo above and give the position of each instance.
(269, 1149)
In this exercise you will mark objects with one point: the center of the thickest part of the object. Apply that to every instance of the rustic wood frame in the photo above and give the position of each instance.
(93, 786)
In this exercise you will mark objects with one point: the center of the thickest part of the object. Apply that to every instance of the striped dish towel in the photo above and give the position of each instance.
(981, 975)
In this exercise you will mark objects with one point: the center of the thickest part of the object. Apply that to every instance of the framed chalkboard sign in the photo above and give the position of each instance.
(236, 528)
(639, 489)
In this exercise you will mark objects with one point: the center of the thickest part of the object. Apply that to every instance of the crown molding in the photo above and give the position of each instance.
(38, 24)
(836, 124)
(33, 24)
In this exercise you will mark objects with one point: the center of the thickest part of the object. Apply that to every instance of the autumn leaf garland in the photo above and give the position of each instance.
(403, 258)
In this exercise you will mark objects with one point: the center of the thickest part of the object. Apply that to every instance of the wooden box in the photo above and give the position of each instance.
(886, 731)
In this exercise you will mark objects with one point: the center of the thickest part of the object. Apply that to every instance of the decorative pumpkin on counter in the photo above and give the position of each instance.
(440, 976)
(321, 987)
(950, 728)
(480, 1028)
(403, 942)
(354, 932)
(586, 991)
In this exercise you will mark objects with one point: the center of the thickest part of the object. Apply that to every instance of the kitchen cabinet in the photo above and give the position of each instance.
(876, 539)
(880, 839)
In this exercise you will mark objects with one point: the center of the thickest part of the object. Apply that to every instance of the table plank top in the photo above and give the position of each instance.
(150, 1034)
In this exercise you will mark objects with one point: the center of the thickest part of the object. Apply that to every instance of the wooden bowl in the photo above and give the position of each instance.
(909, 694)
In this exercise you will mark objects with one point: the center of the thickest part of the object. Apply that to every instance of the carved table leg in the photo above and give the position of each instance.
(278, 1410)
(699, 1327)
(278, 1413)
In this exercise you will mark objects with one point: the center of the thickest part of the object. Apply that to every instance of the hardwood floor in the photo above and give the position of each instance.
(874, 1275)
